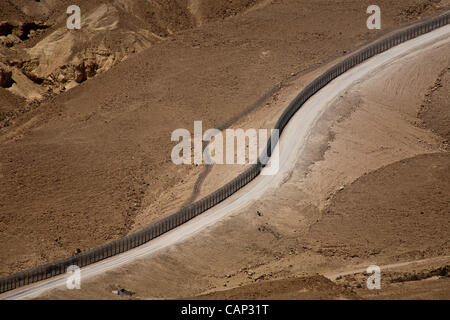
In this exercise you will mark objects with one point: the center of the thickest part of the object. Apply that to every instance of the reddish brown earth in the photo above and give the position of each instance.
(304, 288)
(80, 164)
(409, 197)
(430, 283)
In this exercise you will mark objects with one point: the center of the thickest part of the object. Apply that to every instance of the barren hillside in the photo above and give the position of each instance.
(371, 187)
(86, 115)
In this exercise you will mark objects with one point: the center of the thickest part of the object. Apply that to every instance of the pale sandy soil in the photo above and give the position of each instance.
(91, 164)
(372, 188)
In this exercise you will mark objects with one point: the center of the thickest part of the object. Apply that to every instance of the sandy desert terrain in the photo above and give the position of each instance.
(85, 124)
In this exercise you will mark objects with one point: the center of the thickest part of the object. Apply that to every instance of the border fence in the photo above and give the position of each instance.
(185, 214)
